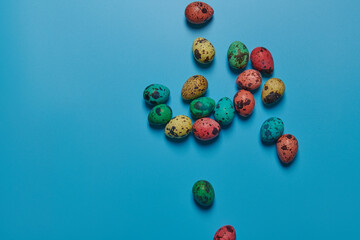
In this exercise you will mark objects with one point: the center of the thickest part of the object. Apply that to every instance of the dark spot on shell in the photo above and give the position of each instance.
(204, 10)
(158, 111)
(197, 54)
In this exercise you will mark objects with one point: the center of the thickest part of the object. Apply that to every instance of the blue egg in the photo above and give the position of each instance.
(224, 111)
(271, 130)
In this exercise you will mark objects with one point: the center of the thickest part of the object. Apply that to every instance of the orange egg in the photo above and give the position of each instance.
(287, 147)
(244, 103)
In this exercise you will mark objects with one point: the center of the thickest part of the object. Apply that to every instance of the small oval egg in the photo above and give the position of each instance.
(272, 91)
(249, 80)
(159, 115)
(238, 55)
(271, 130)
(178, 127)
(287, 147)
(194, 87)
(198, 12)
(155, 94)
(224, 111)
(206, 129)
(244, 103)
(262, 60)
(203, 50)
(202, 107)
(225, 233)
(203, 193)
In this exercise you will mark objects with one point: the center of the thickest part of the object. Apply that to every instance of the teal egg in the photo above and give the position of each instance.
(202, 107)
(271, 130)
(224, 111)
(155, 94)
(160, 115)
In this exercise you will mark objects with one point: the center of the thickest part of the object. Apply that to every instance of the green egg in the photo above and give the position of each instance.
(160, 115)
(203, 193)
(238, 55)
(224, 111)
(202, 107)
(271, 130)
(155, 94)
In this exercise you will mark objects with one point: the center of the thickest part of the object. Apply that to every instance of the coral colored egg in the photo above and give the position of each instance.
(262, 60)
(287, 147)
(244, 102)
(206, 129)
(225, 233)
(198, 12)
(249, 80)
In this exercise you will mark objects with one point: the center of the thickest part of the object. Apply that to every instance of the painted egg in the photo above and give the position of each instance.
(155, 94)
(272, 91)
(271, 130)
(203, 50)
(262, 60)
(160, 114)
(178, 127)
(224, 111)
(249, 80)
(202, 107)
(244, 103)
(238, 55)
(198, 12)
(225, 233)
(194, 87)
(287, 147)
(206, 129)
(203, 193)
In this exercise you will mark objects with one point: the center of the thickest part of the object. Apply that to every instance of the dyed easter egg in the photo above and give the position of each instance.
(203, 50)
(249, 80)
(238, 55)
(287, 147)
(262, 60)
(225, 233)
(206, 129)
(160, 115)
(272, 91)
(244, 103)
(155, 94)
(198, 12)
(271, 130)
(178, 127)
(203, 193)
(194, 87)
(202, 107)
(224, 111)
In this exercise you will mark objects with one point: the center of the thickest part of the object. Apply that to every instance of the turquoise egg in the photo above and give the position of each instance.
(224, 111)
(271, 130)
(155, 94)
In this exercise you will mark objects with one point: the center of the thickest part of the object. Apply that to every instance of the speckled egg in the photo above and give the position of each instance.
(155, 94)
(203, 50)
(194, 87)
(244, 103)
(198, 12)
(202, 107)
(272, 91)
(224, 111)
(225, 233)
(287, 147)
(249, 80)
(203, 193)
(206, 129)
(238, 55)
(262, 60)
(160, 115)
(178, 127)
(271, 130)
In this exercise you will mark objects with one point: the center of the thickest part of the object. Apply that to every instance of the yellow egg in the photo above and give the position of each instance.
(203, 50)
(178, 127)
(194, 87)
(272, 91)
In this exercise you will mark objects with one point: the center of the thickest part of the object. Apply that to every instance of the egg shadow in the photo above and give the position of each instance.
(200, 207)
(245, 118)
(288, 165)
(206, 143)
(203, 65)
(278, 102)
(193, 26)
(177, 140)
(157, 127)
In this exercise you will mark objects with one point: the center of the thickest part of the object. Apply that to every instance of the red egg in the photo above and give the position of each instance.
(244, 102)
(262, 60)
(198, 12)
(249, 79)
(225, 233)
(287, 147)
(206, 129)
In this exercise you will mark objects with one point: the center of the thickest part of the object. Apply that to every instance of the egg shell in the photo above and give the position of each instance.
(244, 103)
(225, 233)
(203, 193)
(206, 129)
(249, 80)
(203, 50)
(179, 127)
(194, 87)
(155, 94)
(159, 115)
(224, 111)
(287, 147)
(198, 12)
(262, 60)
(238, 55)
(271, 130)
(202, 107)
(272, 91)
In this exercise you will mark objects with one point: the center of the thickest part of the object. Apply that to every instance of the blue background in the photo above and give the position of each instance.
(79, 161)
